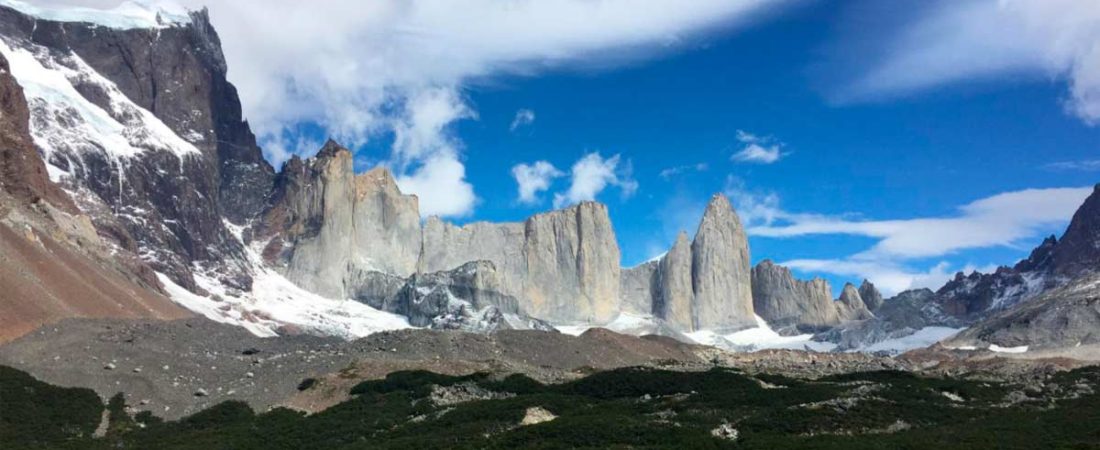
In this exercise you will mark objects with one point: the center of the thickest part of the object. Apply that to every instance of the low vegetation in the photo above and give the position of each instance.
(629, 408)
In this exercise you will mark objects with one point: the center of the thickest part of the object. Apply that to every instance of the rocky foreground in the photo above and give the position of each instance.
(177, 368)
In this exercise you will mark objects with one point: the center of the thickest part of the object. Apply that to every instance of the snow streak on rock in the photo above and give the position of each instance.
(65, 124)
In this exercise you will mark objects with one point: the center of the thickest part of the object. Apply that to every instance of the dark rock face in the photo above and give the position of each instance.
(1061, 318)
(171, 203)
(1078, 252)
(870, 295)
(179, 74)
(970, 297)
(22, 172)
(898, 316)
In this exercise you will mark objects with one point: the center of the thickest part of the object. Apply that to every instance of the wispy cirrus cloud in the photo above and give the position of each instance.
(673, 172)
(1084, 165)
(949, 41)
(523, 118)
(1010, 219)
(758, 150)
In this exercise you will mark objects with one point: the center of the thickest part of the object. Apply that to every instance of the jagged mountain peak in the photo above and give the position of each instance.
(870, 295)
(1078, 251)
(719, 206)
(332, 149)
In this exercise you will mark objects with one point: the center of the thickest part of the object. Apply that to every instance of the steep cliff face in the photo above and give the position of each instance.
(704, 283)
(1078, 252)
(344, 235)
(676, 293)
(22, 172)
(572, 264)
(721, 269)
(446, 246)
(327, 228)
(637, 288)
(790, 305)
(141, 124)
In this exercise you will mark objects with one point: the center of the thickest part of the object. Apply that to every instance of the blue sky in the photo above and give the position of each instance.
(900, 141)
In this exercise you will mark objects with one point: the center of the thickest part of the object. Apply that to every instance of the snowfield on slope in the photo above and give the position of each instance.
(127, 15)
(277, 306)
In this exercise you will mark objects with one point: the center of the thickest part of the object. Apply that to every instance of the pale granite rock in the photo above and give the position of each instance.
(790, 305)
(721, 269)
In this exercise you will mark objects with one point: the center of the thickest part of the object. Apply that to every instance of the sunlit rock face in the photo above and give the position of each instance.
(790, 305)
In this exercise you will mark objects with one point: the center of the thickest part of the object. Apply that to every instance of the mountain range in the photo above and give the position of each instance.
(133, 187)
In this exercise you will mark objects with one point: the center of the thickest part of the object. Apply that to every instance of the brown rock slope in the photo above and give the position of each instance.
(53, 264)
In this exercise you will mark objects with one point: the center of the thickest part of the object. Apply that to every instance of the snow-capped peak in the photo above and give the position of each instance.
(128, 15)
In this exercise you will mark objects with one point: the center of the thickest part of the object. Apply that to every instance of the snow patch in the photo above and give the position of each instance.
(921, 338)
(276, 305)
(760, 337)
(128, 15)
(623, 323)
(998, 349)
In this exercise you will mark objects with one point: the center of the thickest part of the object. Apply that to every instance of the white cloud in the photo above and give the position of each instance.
(281, 147)
(671, 172)
(426, 157)
(524, 117)
(758, 150)
(960, 40)
(440, 183)
(1087, 165)
(592, 174)
(534, 178)
(357, 68)
(1001, 220)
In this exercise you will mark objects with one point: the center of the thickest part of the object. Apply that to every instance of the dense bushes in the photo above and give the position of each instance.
(36, 414)
(636, 408)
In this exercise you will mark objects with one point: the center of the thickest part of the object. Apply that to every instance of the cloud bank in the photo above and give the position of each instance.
(365, 70)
